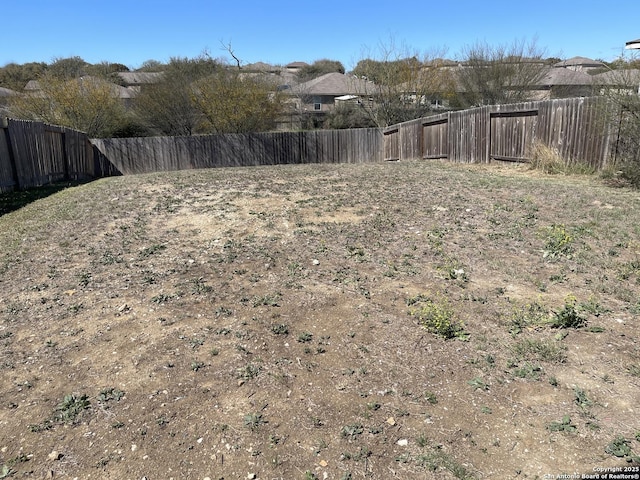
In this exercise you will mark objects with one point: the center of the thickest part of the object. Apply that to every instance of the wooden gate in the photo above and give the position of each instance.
(512, 135)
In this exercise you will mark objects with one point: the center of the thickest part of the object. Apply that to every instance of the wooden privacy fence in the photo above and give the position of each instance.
(153, 154)
(33, 154)
(576, 128)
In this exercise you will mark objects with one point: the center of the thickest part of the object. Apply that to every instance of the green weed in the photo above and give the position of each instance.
(620, 448)
(305, 337)
(568, 317)
(254, 420)
(109, 394)
(528, 316)
(438, 317)
(280, 329)
(351, 431)
(563, 425)
(478, 384)
(558, 242)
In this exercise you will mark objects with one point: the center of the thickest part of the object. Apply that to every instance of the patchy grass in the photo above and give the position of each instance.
(305, 322)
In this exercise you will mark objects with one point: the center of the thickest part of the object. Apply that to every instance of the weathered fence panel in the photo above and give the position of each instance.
(577, 128)
(512, 135)
(8, 179)
(33, 154)
(392, 144)
(435, 137)
(152, 154)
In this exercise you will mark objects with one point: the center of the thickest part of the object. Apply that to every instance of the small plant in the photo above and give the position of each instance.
(528, 316)
(199, 286)
(254, 420)
(581, 399)
(6, 471)
(528, 371)
(478, 384)
(620, 448)
(352, 431)
(541, 350)
(161, 298)
(223, 311)
(109, 394)
(431, 398)
(422, 441)
(568, 317)
(70, 408)
(280, 329)
(249, 371)
(563, 425)
(195, 366)
(437, 317)
(271, 300)
(305, 337)
(546, 159)
(148, 251)
(558, 242)
(634, 370)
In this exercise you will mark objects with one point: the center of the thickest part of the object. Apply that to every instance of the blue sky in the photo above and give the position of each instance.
(283, 31)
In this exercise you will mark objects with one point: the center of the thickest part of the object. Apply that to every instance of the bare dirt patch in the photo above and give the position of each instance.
(292, 322)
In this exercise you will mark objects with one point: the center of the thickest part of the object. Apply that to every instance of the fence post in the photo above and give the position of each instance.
(12, 157)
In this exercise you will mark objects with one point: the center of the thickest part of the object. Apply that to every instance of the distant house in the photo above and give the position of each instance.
(622, 81)
(310, 102)
(261, 67)
(580, 64)
(319, 95)
(562, 82)
(136, 81)
(295, 67)
(32, 86)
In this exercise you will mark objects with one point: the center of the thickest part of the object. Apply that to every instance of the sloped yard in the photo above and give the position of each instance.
(401, 320)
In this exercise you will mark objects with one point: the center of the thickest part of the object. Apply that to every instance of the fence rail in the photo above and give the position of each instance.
(577, 128)
(33, 154)
(152, 154)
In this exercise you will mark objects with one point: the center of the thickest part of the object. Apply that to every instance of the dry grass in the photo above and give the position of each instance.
(258, 321)
(549, 160)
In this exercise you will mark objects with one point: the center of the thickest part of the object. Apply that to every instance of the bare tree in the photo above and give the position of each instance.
(620, 87)
(492, 75)
(407, 83)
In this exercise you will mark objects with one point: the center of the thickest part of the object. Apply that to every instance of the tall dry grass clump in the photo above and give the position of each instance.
(549, 160)
(546, 159)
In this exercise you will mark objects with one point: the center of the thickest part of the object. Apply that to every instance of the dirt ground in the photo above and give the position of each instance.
(409, 320)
